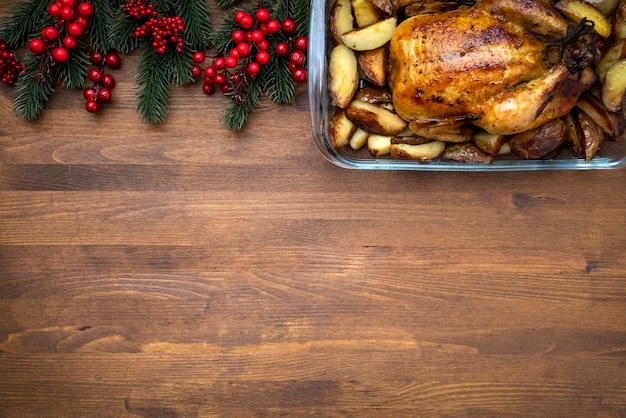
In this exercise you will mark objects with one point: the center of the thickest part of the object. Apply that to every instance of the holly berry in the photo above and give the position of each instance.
(281, 49)
(299, 75)
(82, 20)
(10, 68)
(67, 13)
(301, 43)
(54, 10)
(230, 62)
(95, 75)
(196, 71)
(96, 57)
(297, 58)
(262, 57)
(243, 48)
(253, 69)
(85, 9)
(49, 33)
(113, 60)
(89, 93)
(92, 106)
(262, 15)
(238, 36)
(199, 57)
(75, 29)
(272, 26)
(108, 81)
(246, 21)
(36, 46)
(288, 26)
(60, 55)
(69, 42)
(104, 95)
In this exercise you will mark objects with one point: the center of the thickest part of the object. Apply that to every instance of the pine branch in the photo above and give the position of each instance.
(197, 18)
(226, 3)
(24, 20)
(122, 38)
(154, 83)
(100, 34)
(73, 72)
(278, 81)
(35, 87)
(178, 65)
(237, 111)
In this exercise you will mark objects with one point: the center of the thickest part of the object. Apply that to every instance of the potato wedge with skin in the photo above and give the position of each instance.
(619, 22)
(374, 95)
(370, 37)
(341, 20)
(373, 65)
(343, 75)
(444, 133)
(605, 6)
(358, 139)
(614, 86)
(574, 137)
(340, 129)
(365, 13)
(488, 142)
(424, 152)
(410, 140)
(577, 10)
(467, 153)
(593, 106)
(610, 57)
(592, 135)
(385, 6)
(378, 145)
(535, 143)
(374, 118)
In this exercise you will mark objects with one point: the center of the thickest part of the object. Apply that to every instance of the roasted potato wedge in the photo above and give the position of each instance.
(343, 75)
(574, 136)
(423, 152)
(373, 65)
(592, 135)
(365, 13)
(593, 106)
(341, 129)
(610, 57)
(536, 143)
(619, 22)
(341, 20)
(443, 133)
(487, 142)
(386, 6)
(378, 145)
(605, 6)
(374, 119)
(467, 153)
(577, 10)
(374, 95)
(370, 37)
(410, 140)
(358, 139)
(614, 86)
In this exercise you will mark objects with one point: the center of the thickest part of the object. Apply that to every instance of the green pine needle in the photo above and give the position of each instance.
(34, 88)
(72, 73)
(197, 18)
(122, 38)
(100, 25)
(236, 112)
(24, 19)
(154, 80)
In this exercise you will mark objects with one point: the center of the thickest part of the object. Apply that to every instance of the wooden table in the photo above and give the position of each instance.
(184, 270)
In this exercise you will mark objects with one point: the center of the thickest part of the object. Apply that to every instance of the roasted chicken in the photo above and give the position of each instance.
(506, 66)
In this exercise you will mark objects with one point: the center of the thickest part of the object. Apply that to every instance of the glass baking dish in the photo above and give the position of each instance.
(612, 154)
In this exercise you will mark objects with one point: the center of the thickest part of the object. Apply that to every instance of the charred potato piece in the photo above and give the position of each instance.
(592, 135)
(587, 77)
(574, 137)
(577, 10)
(423, 152)
(341, 19)
(378, 145)
(341, 129)
(370, 37)
(614, 86)
(374, 118)
(343, 75)
(488, 142)
(365, 13)
(467, 153)
(535, 143)
(373, 65)
(374, 95)
(594, 107)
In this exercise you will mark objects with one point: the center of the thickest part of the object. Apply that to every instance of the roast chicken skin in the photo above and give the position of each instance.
(488, 65)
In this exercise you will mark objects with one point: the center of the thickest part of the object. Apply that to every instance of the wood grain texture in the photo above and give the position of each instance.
(183, 270)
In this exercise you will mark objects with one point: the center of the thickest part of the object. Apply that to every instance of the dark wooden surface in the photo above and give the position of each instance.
(184, 271)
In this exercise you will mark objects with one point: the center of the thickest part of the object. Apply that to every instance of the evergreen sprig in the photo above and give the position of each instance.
(154, 77)
(237, 110)
(197, 18)
(35, 87)
(24, 19)
(102, 20)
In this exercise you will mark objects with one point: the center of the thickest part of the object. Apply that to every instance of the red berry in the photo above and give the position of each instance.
(256, 36)
(253, 69)
(208, 89)
(198, 57)
(225, 87)
(219, 63)
(75, 29)
(238, 36)
(108, 81)
(49, 33)
(288, 26)
(89, 93)
(69, 42)
(262, 45)
(54, 10)
(60, 55)
(299, 75)
(82, 20)
(272, 26)
(209, 72)
(85, 9)
(297, 58)
(92, 106)
(96, 57)
(234, 53)
(219, 79)
(246, 22)
(262, 15)
(239, 15)
(36, 46)
(301, 43)
(230, 62)
(262, 57)
(281, 49)
(68, 3)
(243, 48)
(104, 94)
(94, 75)
(196, 70)
(67, 13)
(113, 60)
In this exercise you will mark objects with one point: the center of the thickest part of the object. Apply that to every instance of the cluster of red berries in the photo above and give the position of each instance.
(252, 52)
(72, 19)
(10, 68)
(103, 82)
(162, 30)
